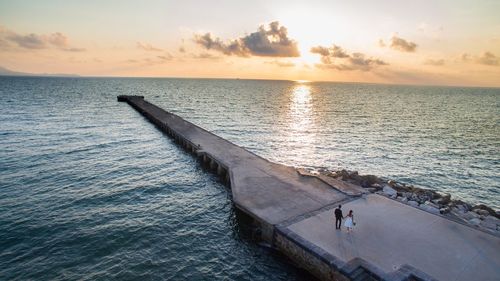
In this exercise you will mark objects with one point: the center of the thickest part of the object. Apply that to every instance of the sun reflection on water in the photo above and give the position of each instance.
(300, 117)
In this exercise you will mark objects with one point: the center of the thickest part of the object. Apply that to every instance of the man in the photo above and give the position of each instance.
(338, 217)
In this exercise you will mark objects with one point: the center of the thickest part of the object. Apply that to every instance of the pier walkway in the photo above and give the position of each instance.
(294, 212)
(391, 235)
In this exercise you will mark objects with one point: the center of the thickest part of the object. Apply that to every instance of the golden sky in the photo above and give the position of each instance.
(444, 42)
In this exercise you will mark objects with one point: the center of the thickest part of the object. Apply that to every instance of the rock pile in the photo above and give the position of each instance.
(480, 216)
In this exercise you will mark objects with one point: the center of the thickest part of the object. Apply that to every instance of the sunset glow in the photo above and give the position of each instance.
(420, 42)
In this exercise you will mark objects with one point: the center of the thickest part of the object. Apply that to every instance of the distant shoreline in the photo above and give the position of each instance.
(34, 75)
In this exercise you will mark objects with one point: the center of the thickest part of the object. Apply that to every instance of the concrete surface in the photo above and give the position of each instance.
(270, 192)
(389, 234)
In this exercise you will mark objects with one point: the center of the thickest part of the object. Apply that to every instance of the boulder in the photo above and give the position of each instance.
(369, 180)
(457, 211)
(389, 191)
(446, 199)
(401, 187)
(474, 221)
(429, 209)
(371, 189)
(444, 210)
(462, 207)
(429, 203)
(481, 212)
(490, 222)
(343, 174)
(413, 203)
(470, 215)
(485, 209)
(404, 188)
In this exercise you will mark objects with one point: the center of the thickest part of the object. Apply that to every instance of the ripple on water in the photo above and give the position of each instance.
(89, 190)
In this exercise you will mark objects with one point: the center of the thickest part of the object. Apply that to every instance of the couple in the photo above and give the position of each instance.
(349, 223)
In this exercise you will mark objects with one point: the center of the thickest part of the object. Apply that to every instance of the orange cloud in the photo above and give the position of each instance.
(488, 58)
(265, 42)
(399, 44)
(337, 58)
(10, 40)
(206, 56)
(147, 47)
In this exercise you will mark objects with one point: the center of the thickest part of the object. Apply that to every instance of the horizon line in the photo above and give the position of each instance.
(69, 76)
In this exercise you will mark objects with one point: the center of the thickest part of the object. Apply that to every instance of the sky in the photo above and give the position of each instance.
(430, 42)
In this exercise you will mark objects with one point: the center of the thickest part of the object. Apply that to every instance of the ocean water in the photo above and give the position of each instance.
(89, 190)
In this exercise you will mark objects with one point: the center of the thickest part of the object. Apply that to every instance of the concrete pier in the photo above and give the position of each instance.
(293, 211)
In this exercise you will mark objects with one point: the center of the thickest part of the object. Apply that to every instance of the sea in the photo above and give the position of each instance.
(90, 190)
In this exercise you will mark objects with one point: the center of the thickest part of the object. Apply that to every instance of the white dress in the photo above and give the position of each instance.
(348, 222)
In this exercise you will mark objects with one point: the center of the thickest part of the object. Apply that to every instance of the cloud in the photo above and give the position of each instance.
(400, 44)
(272, 41)
(435, 62)
(323, 51)
(61, 41)
(148, 61)
(74, 49)
(58, 39)
(10, 40)
(281, 63)
(381, 43)
(166, 57)
(337, 58)
(29, 41)
(488, 58)
(206, 56)
(328, 53)
(235, 47)
(148, 47)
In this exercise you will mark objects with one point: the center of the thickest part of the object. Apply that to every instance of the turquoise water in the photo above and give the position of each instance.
(90, 190)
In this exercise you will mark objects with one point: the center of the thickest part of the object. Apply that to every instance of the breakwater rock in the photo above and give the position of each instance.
(478, 216)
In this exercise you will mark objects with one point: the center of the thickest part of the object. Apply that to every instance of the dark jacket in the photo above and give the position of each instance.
(338, 213)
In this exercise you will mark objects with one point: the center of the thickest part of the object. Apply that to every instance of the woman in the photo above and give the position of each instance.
(349, 223)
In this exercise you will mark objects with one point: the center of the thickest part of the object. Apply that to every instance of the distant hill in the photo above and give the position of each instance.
(7, 72)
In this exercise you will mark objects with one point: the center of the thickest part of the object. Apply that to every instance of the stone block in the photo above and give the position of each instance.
(389, 191)
(413, 203)
(429, 208)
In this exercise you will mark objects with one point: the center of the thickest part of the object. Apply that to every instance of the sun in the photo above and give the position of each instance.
(306, 57)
